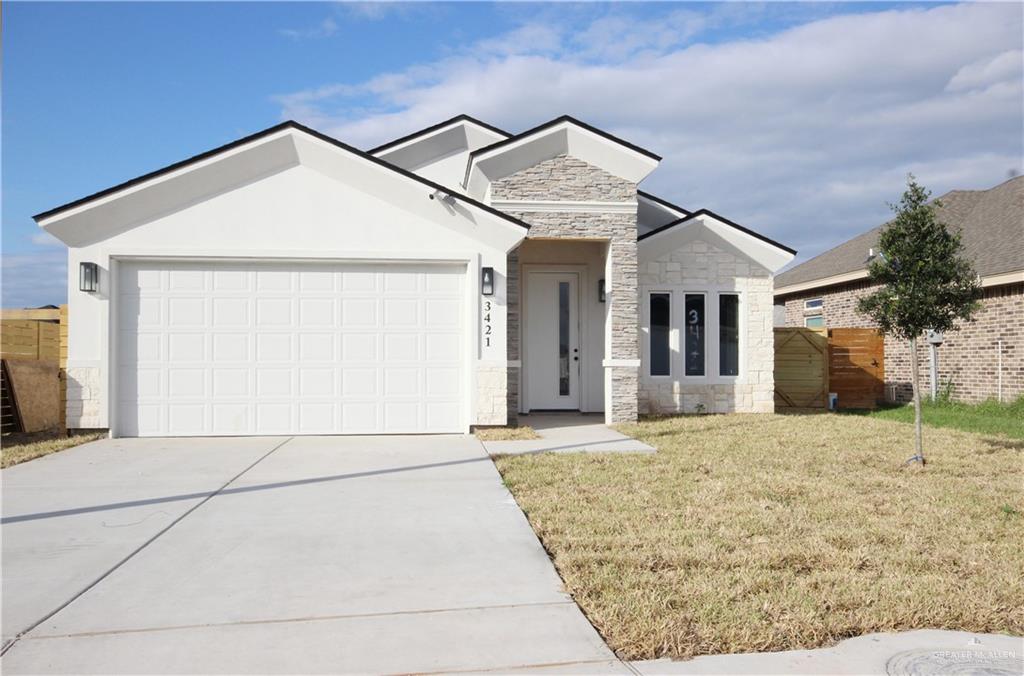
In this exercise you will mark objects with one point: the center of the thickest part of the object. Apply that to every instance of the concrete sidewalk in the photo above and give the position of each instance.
(922, 652)
(569, 433)
(333, 554)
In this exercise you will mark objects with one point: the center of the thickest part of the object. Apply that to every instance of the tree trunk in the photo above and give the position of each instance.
(914, 376)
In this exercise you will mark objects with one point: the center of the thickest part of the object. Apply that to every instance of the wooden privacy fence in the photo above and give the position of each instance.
(29, 339)
(811, 363)
(856, 367)
(33, 349)
(801, 368)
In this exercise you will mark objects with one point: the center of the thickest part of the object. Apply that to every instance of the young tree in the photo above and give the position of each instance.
(926, 282)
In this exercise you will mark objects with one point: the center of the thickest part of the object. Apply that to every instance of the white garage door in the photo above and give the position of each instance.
(229, 349)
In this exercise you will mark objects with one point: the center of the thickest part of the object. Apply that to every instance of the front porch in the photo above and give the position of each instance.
(571, 332)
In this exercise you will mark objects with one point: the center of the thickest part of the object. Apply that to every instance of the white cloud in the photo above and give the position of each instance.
(325, 29)
(803, 134)
(32, 280)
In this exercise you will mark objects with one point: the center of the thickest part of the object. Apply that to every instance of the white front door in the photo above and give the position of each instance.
(552, 341)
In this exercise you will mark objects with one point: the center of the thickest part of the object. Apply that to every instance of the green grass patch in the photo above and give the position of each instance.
(989, 417)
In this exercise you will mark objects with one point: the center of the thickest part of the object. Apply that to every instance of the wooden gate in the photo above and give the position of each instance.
(801, 368)
(856, 367)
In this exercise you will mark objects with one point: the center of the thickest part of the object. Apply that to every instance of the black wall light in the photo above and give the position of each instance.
(600, 290)
(88, 277)
(487, 281)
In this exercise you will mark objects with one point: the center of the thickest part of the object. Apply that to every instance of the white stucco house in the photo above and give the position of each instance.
(288, 283)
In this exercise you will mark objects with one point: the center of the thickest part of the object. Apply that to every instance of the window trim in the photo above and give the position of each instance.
(673, 332)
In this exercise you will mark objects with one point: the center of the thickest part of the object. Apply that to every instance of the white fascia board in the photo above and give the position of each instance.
(746, 246)
(139, 202)
(472, 135)
(408, 193)
(564, 138)
(103, 217)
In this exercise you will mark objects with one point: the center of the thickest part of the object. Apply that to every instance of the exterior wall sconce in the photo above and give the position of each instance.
(487, 281)
(88, 277)
(600, 291)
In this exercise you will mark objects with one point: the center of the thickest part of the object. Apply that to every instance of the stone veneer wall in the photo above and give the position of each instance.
(968, 359)
(83, 398)
(567, 178)
(491, 389)
(700, 266)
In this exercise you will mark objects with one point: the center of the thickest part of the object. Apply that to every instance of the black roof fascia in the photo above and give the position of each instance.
(435, 127)
(708, 212)
(290, 124)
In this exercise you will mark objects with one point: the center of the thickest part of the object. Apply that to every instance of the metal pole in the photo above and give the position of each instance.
(934, 371)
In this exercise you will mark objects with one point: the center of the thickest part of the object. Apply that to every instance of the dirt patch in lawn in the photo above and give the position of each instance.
(769, 532)
(18, 448)
(523, 433)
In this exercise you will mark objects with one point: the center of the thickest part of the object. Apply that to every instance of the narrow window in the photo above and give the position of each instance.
(563, 339)
(694, 334)
(814, 322)
(728, 334)
(812, 304)
(661, 314)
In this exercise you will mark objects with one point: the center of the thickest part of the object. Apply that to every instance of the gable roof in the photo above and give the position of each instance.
(479, 152)
(707, 212)
(991, 223)
(704, 223)
(437, 127)
(563, 135)
(266, 133)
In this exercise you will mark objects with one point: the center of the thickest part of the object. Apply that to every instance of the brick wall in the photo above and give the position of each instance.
(699, 266)
(570, 179)
(969, 358)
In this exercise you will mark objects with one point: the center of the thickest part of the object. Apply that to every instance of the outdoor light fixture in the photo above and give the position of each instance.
(88, 277)
(600, 291)
(487, 281)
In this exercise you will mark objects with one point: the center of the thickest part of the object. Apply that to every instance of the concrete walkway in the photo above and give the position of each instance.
(569, 433)
(312, 555)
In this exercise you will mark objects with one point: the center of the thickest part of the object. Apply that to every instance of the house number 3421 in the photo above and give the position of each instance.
(487, 323)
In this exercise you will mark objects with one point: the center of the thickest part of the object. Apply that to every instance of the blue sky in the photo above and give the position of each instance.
(798, 120)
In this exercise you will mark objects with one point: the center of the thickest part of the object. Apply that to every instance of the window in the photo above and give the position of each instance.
(563, 339)
(694, 344)
(728, 334)
(815, 322)
(813, 304)
(661, 326)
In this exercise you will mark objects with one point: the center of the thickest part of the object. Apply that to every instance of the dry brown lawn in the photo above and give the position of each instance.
(17, 448)
(506, 433)
(770, 532)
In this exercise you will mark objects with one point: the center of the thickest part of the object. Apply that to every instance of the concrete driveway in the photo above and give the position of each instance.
(280, 555)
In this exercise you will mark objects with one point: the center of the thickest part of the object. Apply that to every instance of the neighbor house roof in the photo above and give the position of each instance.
(991, 223)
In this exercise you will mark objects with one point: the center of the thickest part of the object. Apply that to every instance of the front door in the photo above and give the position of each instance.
(552, 341)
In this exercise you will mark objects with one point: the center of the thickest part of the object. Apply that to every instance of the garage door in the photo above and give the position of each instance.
(229, 349)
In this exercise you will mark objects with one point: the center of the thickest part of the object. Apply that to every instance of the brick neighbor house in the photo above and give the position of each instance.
(983, 359)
